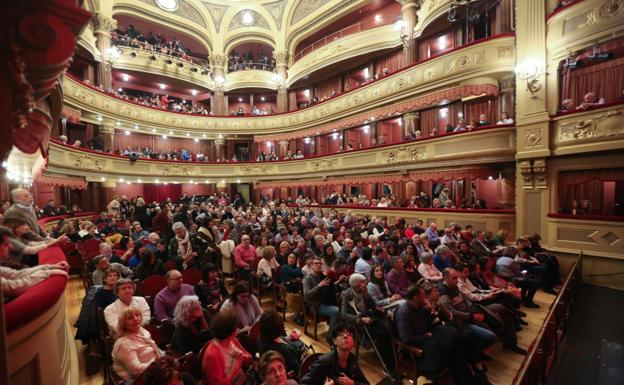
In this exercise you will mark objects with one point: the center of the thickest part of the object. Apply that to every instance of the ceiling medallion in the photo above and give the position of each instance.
(168, 5)
(247, 18)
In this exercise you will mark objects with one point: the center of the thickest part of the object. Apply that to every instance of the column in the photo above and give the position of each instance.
(281, 67)
(107, 130)
(409, 14)
(507, 94)
(218, 61)
(411, 123)
(219, 148)
(532, 119)
(103, 26)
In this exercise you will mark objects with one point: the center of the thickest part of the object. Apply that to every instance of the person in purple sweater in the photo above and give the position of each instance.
(396, 278)
(167, 299)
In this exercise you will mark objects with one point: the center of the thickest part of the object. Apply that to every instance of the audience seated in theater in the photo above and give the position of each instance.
(590, 100)
(396, 278)
(483, 121)
(22, 208)
(246, 307)
(245, 256)
(461, 126)
(149, 265)
(103, 265)
(419, 327)
(167, 298)
(165, 370)
(225, 360)
(567, 105)
(528, 262)
(23, 250)
(505, 119)
(124, 290)
(211, 289)
(15, 282)
(427, 269)
(510, 270)
(272, 369)
(378, 288)
(181, 250)
(191, 326)
(134, 349)
(442, 258)
(106, 295)
(319, 290)
(273, 338)
(267, 265)
(332, 368)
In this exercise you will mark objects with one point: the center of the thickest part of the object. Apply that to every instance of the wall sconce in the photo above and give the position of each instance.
(531, 70)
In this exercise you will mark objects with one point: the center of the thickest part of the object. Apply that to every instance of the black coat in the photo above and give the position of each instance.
(327, 366)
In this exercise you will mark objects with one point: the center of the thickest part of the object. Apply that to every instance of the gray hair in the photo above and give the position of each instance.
(178, 225)
(442, 249)
(423, 236)
(105, 245)
(183, 310)
(426, 256)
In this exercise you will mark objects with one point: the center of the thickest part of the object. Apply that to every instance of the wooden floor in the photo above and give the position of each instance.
(501, 371)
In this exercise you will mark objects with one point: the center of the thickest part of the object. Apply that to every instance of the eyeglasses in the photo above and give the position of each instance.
(346, 333)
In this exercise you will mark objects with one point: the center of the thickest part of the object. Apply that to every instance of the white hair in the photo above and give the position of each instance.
(183, 310)
(178, 225)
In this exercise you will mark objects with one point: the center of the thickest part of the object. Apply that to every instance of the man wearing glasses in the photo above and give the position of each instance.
(319, 289)
(338, 367)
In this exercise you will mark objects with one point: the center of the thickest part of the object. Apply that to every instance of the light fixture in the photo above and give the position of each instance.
(188, 134)
(127, 132)
(247, 18)
(366, 129)
(269, 144)
(153, 130)
(378, 18)
(166, 183)
(237, 180)
(194, 92)
(398, 25)
(157, 181)
(139, 180)
(220, 136)
(128, 182)
(170, 132)
(490, 177)
(196, 140)
(102, 179)
(306, 140)
(121, 179)
(207, 181)
(222, 181)
(120, 89)
(168, 5)
(240, 99)
(442, 42)
(203, 135)
(125, 77)
(306, 93)
(162, 86)
(219, 79)
(136, 126)
(99, 118)
(262, 98)
(531, 70)
(443, 112)
(164, 136)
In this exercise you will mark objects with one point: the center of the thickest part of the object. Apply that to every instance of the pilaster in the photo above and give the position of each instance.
(409, 14)
(103, 26)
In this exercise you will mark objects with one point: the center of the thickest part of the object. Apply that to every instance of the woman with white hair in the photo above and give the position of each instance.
(427, 269)
(191, 328)
(181, 248)
(134, 349)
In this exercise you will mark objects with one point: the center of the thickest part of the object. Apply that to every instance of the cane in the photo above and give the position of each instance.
(388, 379)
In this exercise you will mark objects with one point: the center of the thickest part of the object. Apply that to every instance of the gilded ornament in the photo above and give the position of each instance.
(533, 138)
(588, 128)
(611, 8)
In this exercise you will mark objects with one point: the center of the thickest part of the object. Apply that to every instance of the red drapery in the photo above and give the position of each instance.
(605, 79)
(61, 181)
(428, 120)
(568, 178)
(160, 192)
(502, 17)
(159, 144)
(292, 100)
(487, 106)
(325, 88)
(393, 61)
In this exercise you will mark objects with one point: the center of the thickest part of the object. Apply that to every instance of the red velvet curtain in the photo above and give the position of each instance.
(423, 50)
(428, 120)
(476, 107)
(160, 192)
(453, 114)
(292, 100)
(606, 79)
(324, 88)
(501, 18)
(393, 61)
(159, 144)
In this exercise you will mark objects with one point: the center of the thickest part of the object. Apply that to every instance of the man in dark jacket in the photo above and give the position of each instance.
(332, 368)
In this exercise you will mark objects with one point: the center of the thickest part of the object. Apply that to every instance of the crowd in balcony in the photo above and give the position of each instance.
(344, 266)
(156, 42)
(163, 102)
(247, 61)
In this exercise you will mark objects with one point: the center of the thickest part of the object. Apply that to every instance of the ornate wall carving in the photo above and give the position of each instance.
(306, 7)
(591, 128)
(403, 154)
(276, 10)
(216, 12)
(258, 21)
(533, 138)
(185, 10)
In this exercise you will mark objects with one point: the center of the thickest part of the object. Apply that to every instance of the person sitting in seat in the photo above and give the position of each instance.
(318, 289)
(483, 121)
(102, 265)
(134, 349)
(191, 327)
(124, 290)
(272, 369)
(273, 338)
(211, 290)
(567, 105)
(505, 119)
(167, 298)
(225, 358)
(590, 100)
(396, 278)
(338, 367)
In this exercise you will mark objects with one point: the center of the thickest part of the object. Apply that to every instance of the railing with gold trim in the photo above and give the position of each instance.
(543, 351)
(597, 129)
(488, 57)
(493, 145)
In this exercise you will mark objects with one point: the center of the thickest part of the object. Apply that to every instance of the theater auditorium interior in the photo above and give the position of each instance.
(313, 192)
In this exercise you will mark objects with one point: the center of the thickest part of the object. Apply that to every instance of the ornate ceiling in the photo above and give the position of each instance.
(221, 24)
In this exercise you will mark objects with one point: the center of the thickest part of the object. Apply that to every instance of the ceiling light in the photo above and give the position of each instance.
(204, 135)
(378, 18)
(162, 86)
(237, 180)
(136, 126)
(118, 123)
(164, 136)
(127, 132)
(194, 92)
(240, 99)
(170, 132)
(102, 179)
(207, 181)
(125, 77)
(128, 182)
(157, 181)
(262, 98)
(220, 136)
(153, 130)
(222, 180)
(121, 179)
(247, 18)
(196, 140)
(139, 180)
(188, 134)
(99, 118)
(398, 26)
(120, 89)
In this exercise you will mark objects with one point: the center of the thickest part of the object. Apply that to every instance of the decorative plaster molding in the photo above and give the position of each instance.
(403, 154)
(276, 10)
(533, 138)
(216, 12)
(591, 128)
(305, 8)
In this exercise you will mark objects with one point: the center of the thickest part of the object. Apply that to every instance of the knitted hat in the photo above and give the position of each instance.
(355, 278)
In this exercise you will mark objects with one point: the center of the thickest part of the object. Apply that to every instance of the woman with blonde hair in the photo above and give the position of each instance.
(134, 349)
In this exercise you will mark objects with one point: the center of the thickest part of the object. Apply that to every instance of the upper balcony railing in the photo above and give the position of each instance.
(478, 59)
(495, 145)
(354, 28)
(599, 128)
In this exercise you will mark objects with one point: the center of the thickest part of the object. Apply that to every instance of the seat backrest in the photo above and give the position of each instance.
(307, 363)
(254, 332)
(191, 276)
(152, 285)
(161, 333)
